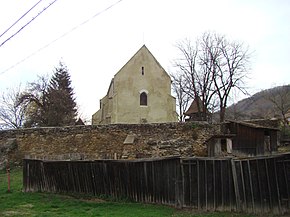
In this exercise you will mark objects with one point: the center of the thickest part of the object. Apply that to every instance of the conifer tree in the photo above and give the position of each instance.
(61, 102)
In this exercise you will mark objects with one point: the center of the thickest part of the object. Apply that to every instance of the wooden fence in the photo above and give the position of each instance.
(254, 185)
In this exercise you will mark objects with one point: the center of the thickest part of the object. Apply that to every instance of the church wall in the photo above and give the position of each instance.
(141, 73)
(130, 81)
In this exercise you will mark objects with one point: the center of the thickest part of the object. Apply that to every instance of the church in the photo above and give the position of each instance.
(140, 92)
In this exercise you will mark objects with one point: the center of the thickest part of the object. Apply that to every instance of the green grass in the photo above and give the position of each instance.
(18, 203)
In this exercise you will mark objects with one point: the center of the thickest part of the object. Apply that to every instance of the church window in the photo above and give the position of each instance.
(143, 99)
(142, 70)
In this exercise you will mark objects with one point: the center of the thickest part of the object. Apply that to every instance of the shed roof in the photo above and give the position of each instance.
(252, 125)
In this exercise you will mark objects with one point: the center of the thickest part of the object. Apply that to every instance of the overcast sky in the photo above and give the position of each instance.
(95, 50)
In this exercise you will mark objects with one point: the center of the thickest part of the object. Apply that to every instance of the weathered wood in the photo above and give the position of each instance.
(222, 186)
(243, 185)
(268, 184)
(251, 185)
(287, 182)
(254, 185)
(206, 182)
(236, 187)
(214, 185)
(198, 186)
(277, 186)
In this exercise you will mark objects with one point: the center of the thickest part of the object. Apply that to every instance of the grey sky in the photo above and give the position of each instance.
(95, 51)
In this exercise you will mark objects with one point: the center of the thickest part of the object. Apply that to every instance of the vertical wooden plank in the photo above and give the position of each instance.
(135, 180)
(243, 186)
(277, 185)
(236, 187)
(145, 182)
(26, 175)
(206, 179)
(214, 185)
(44, 186)
(93, 177)
(222, 185)
(268, 184)
(198, 185)
(168, 189)
(154, 199)
(176, 184)
(172, 182)
(190, 183)
(251, 185)
(287, 183)
(127, 179)
(157, 181)
(259, 184)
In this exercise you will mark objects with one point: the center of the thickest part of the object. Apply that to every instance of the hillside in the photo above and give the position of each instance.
(259, 105)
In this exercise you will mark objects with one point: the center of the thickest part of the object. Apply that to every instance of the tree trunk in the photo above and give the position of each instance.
(222, 114)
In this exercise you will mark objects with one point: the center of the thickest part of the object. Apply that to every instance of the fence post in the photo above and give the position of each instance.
(236, 187)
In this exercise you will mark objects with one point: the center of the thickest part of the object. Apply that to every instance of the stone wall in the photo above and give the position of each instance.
(107, 141)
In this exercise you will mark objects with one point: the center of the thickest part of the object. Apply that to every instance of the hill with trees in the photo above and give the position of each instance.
(270, 103)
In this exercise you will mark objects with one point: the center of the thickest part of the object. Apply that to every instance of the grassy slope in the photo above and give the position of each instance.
(18, 203)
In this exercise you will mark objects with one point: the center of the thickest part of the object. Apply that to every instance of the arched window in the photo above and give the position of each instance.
(143, 99)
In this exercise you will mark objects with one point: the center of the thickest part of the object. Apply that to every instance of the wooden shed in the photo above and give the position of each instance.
(219, 145)
(252, 139)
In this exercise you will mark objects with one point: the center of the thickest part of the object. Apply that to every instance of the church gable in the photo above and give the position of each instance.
(141, 57)
(140, 92)
(142, 71)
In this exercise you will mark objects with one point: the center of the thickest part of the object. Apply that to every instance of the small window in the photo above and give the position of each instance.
(142, 70)
(143, 99)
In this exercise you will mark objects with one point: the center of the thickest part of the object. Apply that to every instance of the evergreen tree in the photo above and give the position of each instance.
(50, 102)
(61, 102)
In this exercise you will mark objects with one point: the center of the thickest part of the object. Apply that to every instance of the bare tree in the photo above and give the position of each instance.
(212, 68)
(205, 79)
(183, 99)
(187, 70)
(198, 83)
(228, 63)
(12, 114)
(36, 100)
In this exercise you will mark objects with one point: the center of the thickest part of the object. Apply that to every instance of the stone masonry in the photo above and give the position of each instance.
(107, 141)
